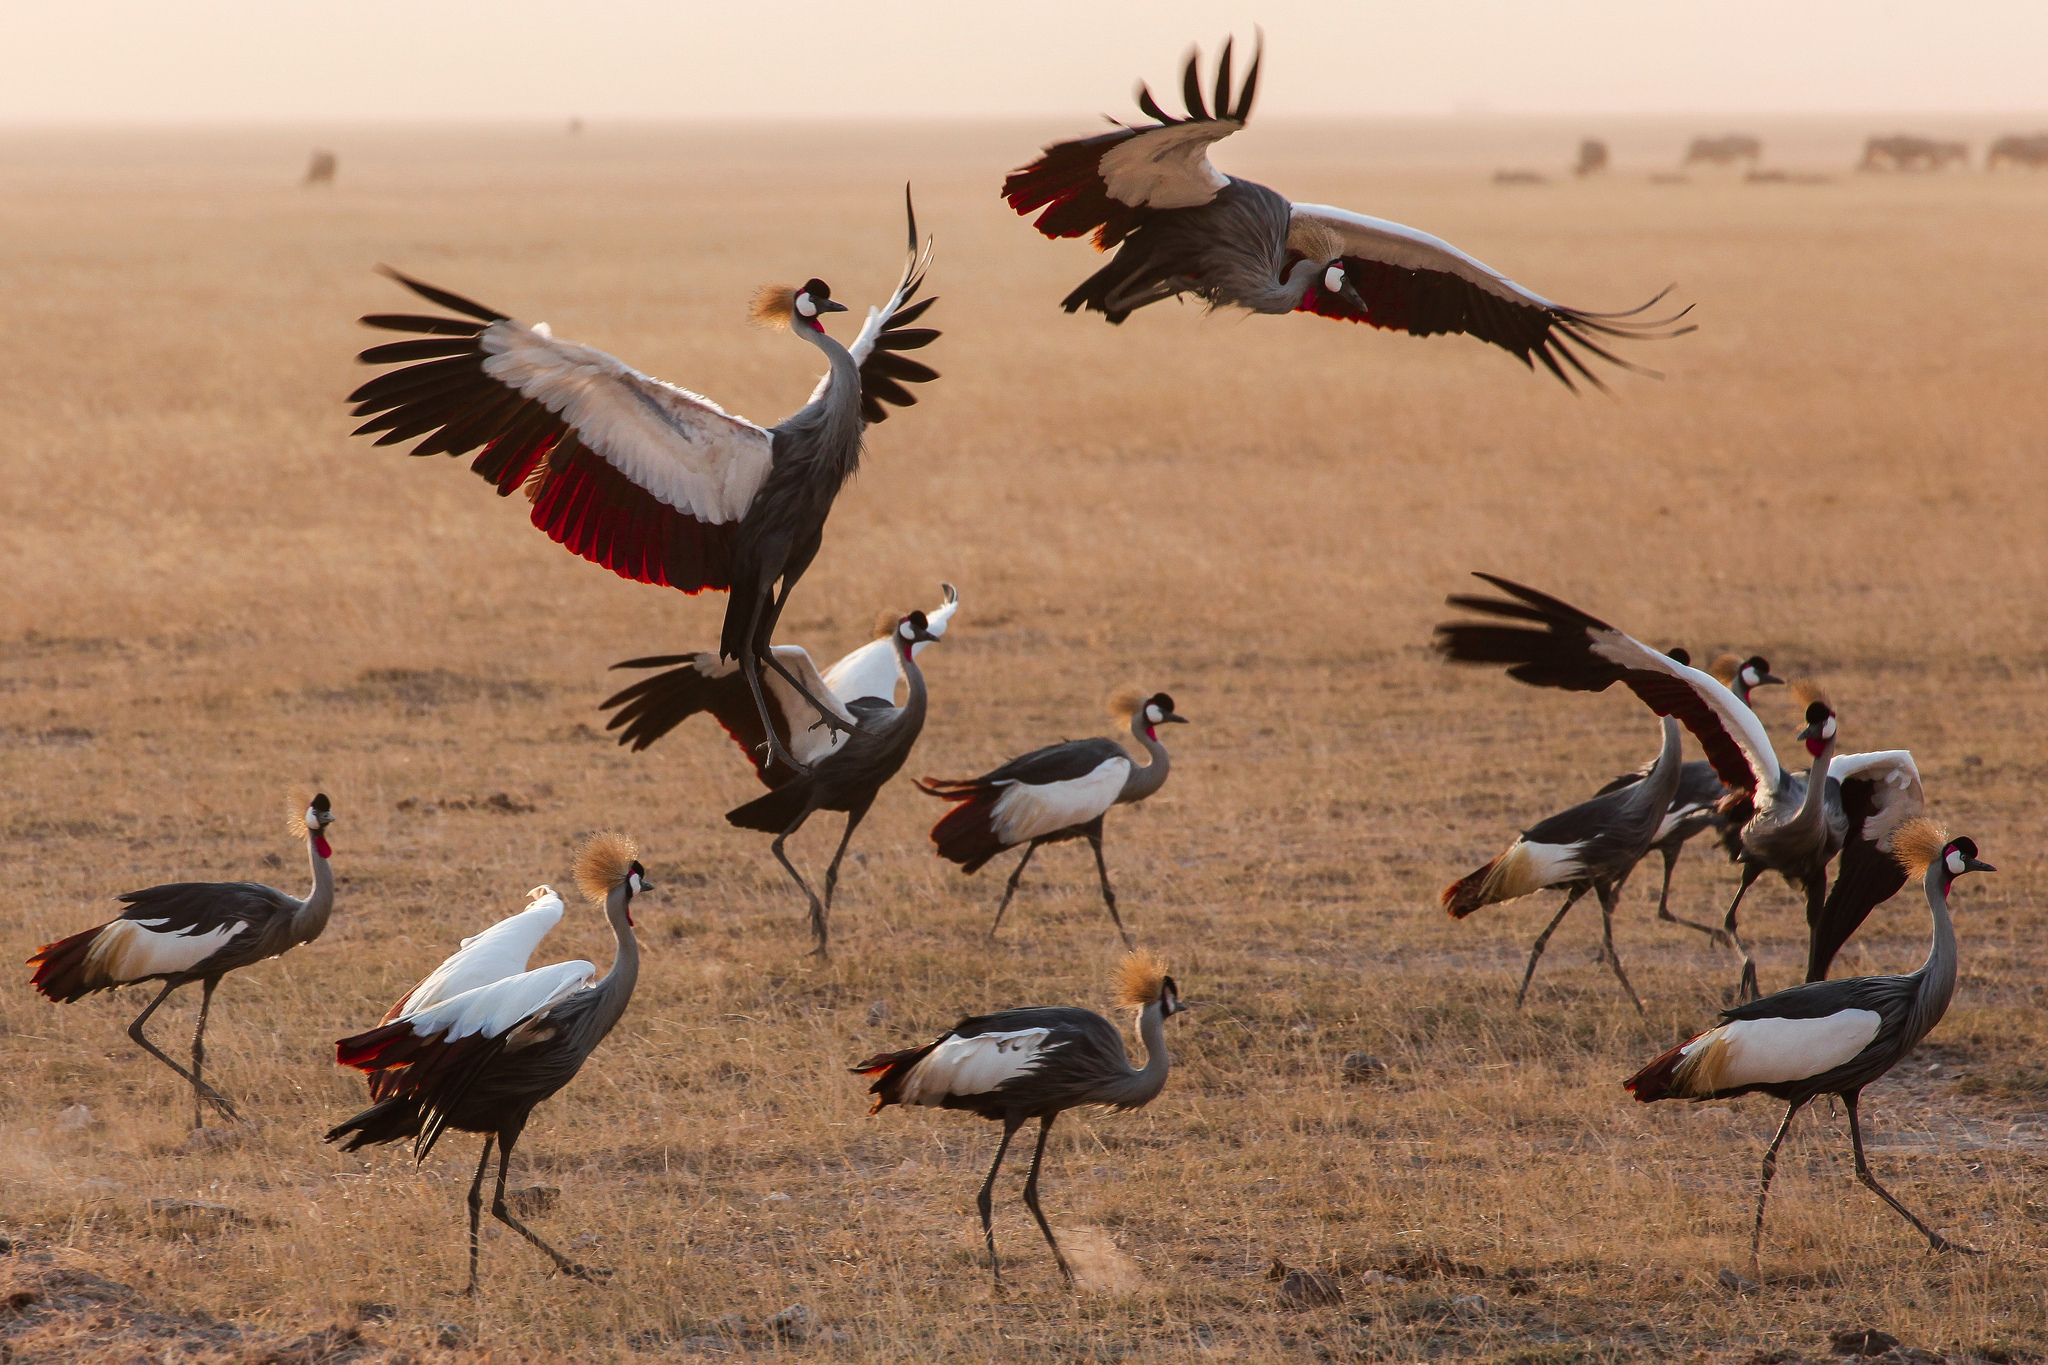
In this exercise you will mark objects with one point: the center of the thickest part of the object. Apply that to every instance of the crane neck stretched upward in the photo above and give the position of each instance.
(616, 988)
(1937, 975)
(832, 418)
(1144, 1083)
(1142, 782)
(1812, 812)
(912, 711)
(310, 920)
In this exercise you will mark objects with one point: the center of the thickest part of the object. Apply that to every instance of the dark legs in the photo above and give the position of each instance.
(1031, 1196)
(820, 931)
(207, 988)
(1671, 853)
(985, 1200)
(476, 1206)
(200, 1089)
(1606, 895)
(1543, 939)
(1756, 1236)
(1094, 828)
(853, 819)
(1011, 889)
(1934, 1239)
(503, 1213)
(1746, 989)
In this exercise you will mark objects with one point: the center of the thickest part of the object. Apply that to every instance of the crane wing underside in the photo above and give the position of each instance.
(1879, 792)
(652, 707)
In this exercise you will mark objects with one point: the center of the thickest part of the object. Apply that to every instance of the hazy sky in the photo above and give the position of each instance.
(71, 61)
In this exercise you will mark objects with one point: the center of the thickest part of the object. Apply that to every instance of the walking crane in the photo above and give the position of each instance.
(479, 1061)
(193, 931)
(1180, 226)
(1829, 1037)
(656, 483)
(1036, 1063)
(1054, 794)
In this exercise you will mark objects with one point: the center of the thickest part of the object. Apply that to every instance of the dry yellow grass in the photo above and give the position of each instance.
(215, 598)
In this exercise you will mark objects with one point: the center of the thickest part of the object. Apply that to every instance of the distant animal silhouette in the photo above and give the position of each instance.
(320, 170)
(1592, 158)
(1904, 152)
(2030, 152)
(1725, 150)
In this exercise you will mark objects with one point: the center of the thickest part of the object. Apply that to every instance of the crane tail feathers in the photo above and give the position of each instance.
(1656, 1081)
(1469, 892)
(889, 1070)
(64, 969)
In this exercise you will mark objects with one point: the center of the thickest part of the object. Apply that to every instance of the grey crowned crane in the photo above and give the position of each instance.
(1036, 1063)
(656, 483)
(1698, 805)
(479, 1061)
(843, 771)
(193, 931)
(1054, 794)
(1798, 825)
(1180, 226)
(1829, 1037)
(1590, 847)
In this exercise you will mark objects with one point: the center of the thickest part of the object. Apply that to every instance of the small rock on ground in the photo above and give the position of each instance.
(534, 1200)
(1363, 1066)
(795, 1323)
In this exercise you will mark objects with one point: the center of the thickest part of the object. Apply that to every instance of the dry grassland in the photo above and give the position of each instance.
(217, 602)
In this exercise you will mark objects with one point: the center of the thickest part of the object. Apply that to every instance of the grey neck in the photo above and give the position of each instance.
(1144, 1084)
(1937, 975)
(1662, 781)
(313, 912)
(617, 986)
(833, 414)
(1142, 782)
(1286, 294)
(911, 713)
(1812, 812)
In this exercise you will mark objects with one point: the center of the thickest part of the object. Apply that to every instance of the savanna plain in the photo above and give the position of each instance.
(217, 603)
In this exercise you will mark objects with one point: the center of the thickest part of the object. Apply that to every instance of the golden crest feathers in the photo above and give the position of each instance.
(1125, 701)
(1138, 979)
(885, 624)
(295, 816)
(774, 305)
(1917, 843)
(1314, 239)
(1724, 669)
(1806, 692)
(602, 863)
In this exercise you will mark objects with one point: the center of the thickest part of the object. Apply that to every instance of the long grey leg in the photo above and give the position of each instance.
(1935, 1240)
(476, 1208)
(1664, 902)
(1606, 896)
(1756, 1236)
(213, 1096)
(1031, 1197)
(1746, 988)
(502, 1211)
(985, 1200)
(1543, 939)
(750, 668)
(825, 716)
(1102, 871)
(853, 819)
(1011, 889)
(820, 931)
(199, 1049)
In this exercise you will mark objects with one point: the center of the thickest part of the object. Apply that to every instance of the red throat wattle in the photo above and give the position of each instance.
(321, 846)
(1152, 734)
(1814, 746)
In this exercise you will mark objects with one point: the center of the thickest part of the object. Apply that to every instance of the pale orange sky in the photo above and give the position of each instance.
(125, 61)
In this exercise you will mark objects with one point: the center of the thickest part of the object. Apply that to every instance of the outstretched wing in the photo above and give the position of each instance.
(498, 952)
(1409, 281)
(642, 477)
(884, 370)
(654, 706)
(1880, 792)
(1106, 183)
(1580, 653)
(870, 672)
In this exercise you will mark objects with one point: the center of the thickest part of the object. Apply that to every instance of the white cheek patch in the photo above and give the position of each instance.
(805, 306)
(905, 631)
(1749, 678)
(636, 883)
(1955, 862)
(1155, 715)
(1828, 731)
(1333, 279)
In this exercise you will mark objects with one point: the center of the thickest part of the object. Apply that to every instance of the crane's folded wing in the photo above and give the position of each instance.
(871, 671)
(972, 1065)
(500, 951)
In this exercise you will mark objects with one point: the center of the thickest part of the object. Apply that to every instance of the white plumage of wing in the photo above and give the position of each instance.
(1736, 720)
(1378, 239)
(1166, 168)
(972, 1066)
(498, 952)
(683, 449)
(878, 318)
(1896, 798)
(872, 670)
(808, 742)
(1026, 811)
(130, 949)
(495, 1009)
(1527, 868)
(1772, 1051)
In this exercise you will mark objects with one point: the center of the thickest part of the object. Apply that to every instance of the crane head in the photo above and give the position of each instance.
(914, 629)
(782, 307)
(1756, 672)
(1919, 843)
(312, 824)
(1159, 711)
(1820, 726)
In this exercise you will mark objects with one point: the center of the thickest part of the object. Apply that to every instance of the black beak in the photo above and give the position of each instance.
(1769, 678)
(1175, 718)
(1975, 865)
(829, 306)
(1351, 295)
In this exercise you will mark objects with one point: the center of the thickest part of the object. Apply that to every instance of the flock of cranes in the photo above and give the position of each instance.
(662, 486)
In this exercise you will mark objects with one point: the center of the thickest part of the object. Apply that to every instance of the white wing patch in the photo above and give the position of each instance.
(1378, 239)
(1025, 812)
(1527, 868)
(1772, 1051)
(972, 1066)
(872, 670)
(683, 449)
(130, 949)
(498, 952)
(494, 1009)
(806, 743)
(1166, 168)
(1898, 796)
